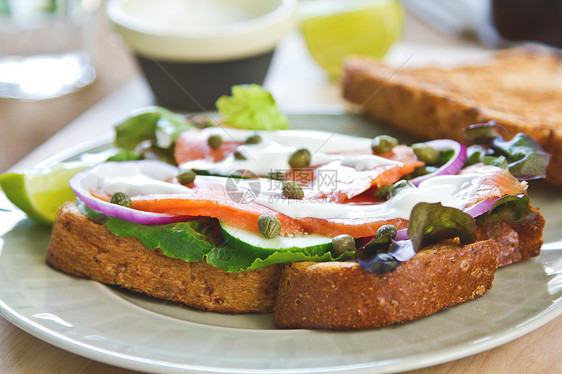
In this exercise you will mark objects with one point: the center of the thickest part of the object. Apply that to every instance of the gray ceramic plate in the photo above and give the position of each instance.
(128, 330)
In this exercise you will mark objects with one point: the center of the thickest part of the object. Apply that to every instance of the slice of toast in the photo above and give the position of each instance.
(344, 296)
(302, 295)
(521, 89)
(81, 247)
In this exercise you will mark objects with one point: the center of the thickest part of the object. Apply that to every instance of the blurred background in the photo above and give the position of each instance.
(89, 56)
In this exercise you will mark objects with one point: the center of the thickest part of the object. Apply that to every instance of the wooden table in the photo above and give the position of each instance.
(298, 84)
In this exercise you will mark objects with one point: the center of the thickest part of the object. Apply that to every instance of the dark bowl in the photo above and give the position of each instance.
(196, 86)
(190, 62)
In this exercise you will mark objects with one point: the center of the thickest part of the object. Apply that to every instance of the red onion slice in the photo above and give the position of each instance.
(450, 167)
(402, 235)
(481, 207)
(87, 180)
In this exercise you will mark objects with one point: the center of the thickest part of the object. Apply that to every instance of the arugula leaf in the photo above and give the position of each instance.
(432, 222)
(153, 123)
(251, 107)
(511, 209)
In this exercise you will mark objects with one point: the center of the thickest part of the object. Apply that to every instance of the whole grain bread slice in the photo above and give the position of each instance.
(520, 89)
(86, 249)
(301, 295)
(344, 296)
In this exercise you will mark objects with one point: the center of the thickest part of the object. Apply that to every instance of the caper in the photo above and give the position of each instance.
(186, 177)
(425, 153)
(120, 198)
(269, 226)
(292, 190)
(300, 158)
(215, 141)
(276, 175)
(254, 139)
(239, 155)
(383, 192)
(342, 244)
(383, 144)
(386, 230)
(400, 185)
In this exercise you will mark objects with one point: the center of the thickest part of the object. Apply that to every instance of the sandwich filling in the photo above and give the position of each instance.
(335, 193)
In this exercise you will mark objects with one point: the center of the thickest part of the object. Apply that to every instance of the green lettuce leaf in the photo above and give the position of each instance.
(201, 238)
(188, 241)
(234, 260)
(432, 222)
(251, 107)
(184, 240)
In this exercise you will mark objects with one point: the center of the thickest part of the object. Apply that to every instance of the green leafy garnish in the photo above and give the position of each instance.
(188, 241)
(499, 162)
(432, 222)
(251, 107)
(234, 260)
(525, 156)
(522, 155)
(475, 154)
(482, 133)
(156, 124)
(201, 238)
(511, 209)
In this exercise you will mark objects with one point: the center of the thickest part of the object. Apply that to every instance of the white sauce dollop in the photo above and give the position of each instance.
(276, 147)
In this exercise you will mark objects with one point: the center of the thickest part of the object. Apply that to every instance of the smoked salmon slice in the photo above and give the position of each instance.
(193, 145)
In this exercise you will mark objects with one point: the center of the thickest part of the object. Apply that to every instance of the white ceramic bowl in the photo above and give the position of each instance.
(200, 48)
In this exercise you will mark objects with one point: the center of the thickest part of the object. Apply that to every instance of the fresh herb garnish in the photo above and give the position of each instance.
(432, 222)
(523, 156)
(511, 209)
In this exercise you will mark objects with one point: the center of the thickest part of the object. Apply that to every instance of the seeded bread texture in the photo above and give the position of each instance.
(302, 294)
(86, 249)
(520, 89)
(344, 296)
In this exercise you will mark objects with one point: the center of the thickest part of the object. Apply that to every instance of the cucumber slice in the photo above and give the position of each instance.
(250, 241)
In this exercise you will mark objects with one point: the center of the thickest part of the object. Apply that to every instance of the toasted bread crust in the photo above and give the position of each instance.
(517, 242)
(520, 89)
(86, 249)
(344, 296)
(336, 295)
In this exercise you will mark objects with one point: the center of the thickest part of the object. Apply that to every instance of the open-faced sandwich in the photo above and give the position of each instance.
(324, 230)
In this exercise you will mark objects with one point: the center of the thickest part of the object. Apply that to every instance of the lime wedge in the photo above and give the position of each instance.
(334, 30)
(40, 191)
